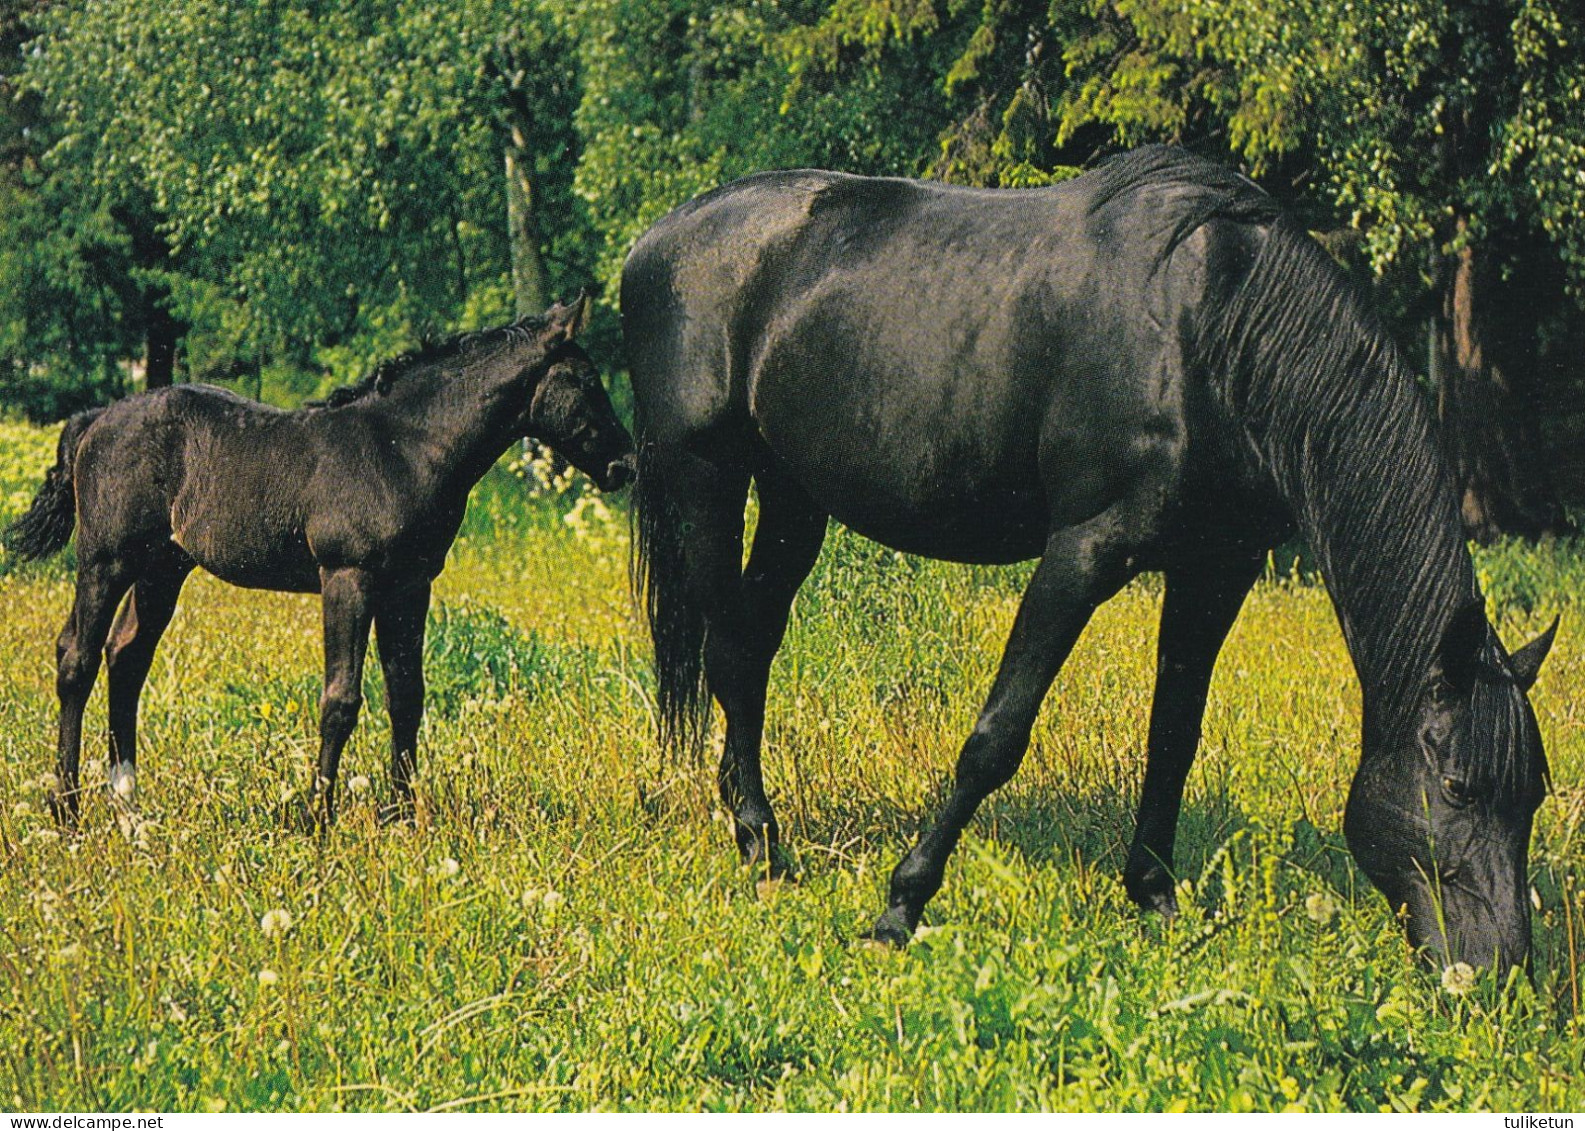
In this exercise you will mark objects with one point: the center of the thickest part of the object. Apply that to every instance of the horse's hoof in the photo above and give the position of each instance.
(1153, 893)
(402, 813)
(890, 930)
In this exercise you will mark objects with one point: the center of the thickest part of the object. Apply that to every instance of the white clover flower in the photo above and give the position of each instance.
(551, 902)
(21, 809)
(268, 977)
(276, 923)
(1320, 907)
(71, 952)
(445, 869)
(1459, 979)
(358, 783)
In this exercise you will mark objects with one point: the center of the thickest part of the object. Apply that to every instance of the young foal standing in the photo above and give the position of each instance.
(357, 499)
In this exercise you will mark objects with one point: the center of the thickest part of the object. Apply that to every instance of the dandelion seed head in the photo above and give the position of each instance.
(275, 923)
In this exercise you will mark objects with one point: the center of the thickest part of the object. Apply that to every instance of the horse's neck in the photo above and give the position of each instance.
(1371, 494)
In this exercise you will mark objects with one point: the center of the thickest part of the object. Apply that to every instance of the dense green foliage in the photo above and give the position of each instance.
(567, 928)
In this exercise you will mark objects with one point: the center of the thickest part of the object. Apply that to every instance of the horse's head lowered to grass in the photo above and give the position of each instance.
(1440, 811)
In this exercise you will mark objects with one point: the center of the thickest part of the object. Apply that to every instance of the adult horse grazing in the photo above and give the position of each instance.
(1144, 368)
(357, 499)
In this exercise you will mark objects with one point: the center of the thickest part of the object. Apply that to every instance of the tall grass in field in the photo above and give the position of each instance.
(566, 926)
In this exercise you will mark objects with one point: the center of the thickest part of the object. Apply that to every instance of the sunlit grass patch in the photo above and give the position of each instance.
(565, 925)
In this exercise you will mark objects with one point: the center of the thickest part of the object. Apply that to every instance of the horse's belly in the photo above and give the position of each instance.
(281, 563)
(934, 517)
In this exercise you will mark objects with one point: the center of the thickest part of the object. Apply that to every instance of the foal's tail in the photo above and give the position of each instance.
(676, 622)
(47, 526)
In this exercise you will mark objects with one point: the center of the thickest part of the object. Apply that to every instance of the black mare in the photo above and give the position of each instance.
(357, 499)
(1144, 368)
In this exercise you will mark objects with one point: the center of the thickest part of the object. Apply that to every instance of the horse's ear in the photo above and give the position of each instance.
(1526, 662)
(1458, 653)
(564, 320)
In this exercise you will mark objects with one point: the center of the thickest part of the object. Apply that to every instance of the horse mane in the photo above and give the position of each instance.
(1334, 414)
(1199, 190)
(380, 380)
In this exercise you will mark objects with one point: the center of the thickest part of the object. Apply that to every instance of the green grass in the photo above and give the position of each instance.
(566, 927)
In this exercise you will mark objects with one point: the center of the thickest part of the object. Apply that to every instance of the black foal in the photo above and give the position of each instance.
(358, 499)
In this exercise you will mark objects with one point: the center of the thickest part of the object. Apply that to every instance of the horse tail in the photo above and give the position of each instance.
(676, 621)
(47, 526)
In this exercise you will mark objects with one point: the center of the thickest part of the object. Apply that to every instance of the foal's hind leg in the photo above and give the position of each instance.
(100, 586)
(741, 644)
(128, 656)
(1201, 604)
(347, 604)
(399, 632)
(1082, 566)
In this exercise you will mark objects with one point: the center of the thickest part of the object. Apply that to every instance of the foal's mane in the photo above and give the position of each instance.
(379, 381)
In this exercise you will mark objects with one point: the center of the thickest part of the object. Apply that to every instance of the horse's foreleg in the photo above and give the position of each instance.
(1081, 567)
(99, 590)
(347, 605)
(128, 656)
(1201, 604)
(399, 634)
(739, 651)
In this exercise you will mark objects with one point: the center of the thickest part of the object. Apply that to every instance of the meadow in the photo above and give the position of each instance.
(566, 926)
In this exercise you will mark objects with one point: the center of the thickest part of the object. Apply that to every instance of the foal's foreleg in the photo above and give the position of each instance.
(128, 656)
(1081, 567)
(100, 587)
(399, 633)
(348, 608)
(1201, 604)
(740, 647)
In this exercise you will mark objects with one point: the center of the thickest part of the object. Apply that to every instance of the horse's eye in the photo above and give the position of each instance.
(1457, 792)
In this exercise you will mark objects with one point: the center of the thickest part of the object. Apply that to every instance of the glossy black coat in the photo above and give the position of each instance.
(1145, 368)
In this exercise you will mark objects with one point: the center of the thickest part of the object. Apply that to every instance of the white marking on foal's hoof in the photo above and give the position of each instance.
(124, 782)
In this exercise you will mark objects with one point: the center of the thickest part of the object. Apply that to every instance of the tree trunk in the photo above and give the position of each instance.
(528, 268)
(1482, 370)
(162, 334)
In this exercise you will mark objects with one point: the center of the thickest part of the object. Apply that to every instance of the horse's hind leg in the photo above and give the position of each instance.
(128, 656)
(1201, 604)
(399, 632)
(741, 644)
(100, 586)
(1081, 567)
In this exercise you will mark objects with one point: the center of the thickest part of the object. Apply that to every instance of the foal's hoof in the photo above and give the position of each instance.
(63, 810)
(307, 817)
(400, 812)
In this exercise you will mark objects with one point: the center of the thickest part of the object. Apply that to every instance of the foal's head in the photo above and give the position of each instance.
(1439, 815)
(568, 407)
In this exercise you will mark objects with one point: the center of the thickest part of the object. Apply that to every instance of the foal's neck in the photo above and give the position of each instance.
(461, 422)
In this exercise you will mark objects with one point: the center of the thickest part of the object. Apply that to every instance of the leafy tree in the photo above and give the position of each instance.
(332, 177)
(79, 288)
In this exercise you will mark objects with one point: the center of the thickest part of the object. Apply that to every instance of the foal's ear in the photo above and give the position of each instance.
(563, 321)
(1458, 653)
(1526, 662)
